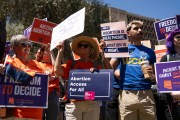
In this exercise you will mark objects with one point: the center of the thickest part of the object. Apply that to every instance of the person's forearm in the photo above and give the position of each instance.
(57, 67)
(52, 57)
(114, 63)
(106, 62)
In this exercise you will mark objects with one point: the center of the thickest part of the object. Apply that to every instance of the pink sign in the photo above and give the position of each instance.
(89, 95)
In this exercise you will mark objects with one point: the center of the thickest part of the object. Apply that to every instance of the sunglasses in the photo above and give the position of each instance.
(83, 45)
(177, 37)
(25, 44)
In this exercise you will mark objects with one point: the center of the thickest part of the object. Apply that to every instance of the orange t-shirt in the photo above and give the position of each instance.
(78, 65)
(53, 84)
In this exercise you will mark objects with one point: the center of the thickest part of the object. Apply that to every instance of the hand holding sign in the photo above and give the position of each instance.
(60, 46)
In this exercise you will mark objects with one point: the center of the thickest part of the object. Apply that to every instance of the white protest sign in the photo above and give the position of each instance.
(115, 36)
(70, 27)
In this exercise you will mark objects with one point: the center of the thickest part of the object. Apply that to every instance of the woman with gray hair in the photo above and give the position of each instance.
(21, 47)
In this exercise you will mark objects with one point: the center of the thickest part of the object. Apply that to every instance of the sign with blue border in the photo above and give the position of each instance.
(164, 27)
(168, 76)
(84, 85)
(34, 95)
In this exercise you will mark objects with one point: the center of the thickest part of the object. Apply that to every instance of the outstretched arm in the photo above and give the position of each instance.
(58, 70)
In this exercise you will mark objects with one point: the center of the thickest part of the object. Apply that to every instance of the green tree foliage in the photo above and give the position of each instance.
(24, 11)
(14, 29)
(21, 13)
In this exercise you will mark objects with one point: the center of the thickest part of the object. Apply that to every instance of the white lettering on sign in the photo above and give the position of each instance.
(167, 23)
(46, 27)
(27, 91)
(81, 78)
(78, 84)
(36, 81)
(40, 31)
(165, 75)
(170, 69)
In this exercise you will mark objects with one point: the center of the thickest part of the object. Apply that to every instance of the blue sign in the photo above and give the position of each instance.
(34, 95)
(164, 27)
(168, 76)
(178, 20)
(84, 85)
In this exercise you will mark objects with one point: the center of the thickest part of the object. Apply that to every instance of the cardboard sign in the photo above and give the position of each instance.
(41, 31)
(115, 36)
(34, 95)
(84, 85)
(164, 27)
(70, 27)
(168, 76)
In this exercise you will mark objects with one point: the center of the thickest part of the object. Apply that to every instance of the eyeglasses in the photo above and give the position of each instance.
(83, 45)
(25, 44)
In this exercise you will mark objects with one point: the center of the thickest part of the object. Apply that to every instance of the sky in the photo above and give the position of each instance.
(160, 9)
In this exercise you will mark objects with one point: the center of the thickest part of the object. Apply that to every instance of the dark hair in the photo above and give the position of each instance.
(170, 42)
(41, 51)
(42, 48)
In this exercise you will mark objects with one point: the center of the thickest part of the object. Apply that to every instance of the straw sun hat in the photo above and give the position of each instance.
(93, 41)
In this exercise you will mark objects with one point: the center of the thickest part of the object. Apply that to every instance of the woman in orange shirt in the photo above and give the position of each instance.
(21, 46)
(88, 50)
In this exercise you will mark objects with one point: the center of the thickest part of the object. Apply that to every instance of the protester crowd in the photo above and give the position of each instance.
(133, 98)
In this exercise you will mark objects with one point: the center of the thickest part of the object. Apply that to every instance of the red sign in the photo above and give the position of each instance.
(41, 31)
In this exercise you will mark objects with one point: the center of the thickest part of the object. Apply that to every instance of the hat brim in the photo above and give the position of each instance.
(93, 41)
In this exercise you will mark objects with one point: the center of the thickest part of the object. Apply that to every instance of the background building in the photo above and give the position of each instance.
(122, 15)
